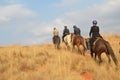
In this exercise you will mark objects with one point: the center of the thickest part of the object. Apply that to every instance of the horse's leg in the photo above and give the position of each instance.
(83, 52)
(58, 44)
(99, 57)
(55, 42)
(55, 46)
(73, 47)
(91, 53)
(79, 51)
(108, 56)
(95, 56)
(85, 48)
(68, 46)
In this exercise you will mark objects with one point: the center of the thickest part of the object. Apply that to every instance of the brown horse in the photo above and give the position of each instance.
(100, 46)
(78, 40)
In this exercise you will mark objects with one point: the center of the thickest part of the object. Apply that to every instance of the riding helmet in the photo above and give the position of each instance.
(74, 26)
(94, 22)
(65, 26)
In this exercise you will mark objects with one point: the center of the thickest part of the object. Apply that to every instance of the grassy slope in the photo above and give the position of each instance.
(43, 62)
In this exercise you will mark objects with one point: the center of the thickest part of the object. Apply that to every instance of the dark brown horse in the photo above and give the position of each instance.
(78, 40)
(100, 46)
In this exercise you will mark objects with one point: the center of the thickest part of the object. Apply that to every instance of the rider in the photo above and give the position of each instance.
(55, 33)
(77, 30)
(94, 33)
(65, 32)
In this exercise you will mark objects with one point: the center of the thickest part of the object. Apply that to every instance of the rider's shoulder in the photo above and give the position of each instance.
(94, 26)
(97, 26)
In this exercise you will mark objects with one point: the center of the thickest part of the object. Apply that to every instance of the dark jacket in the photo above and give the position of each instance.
(77, 31)
(94, 32)
(66, 31)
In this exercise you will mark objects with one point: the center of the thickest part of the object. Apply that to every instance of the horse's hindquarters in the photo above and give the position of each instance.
(68, 41)
(57, 42)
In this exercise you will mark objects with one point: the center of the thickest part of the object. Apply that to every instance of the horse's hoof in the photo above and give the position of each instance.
(109, 61)
(100, 61)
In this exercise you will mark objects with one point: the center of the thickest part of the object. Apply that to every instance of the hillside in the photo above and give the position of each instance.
(44, 62)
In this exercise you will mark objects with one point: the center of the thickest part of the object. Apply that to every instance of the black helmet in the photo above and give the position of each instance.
(94, 22)
(54, 28)
(74, 26)
(65, 26)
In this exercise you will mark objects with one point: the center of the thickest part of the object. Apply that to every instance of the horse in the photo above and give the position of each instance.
(102, 46)
(56, 42)
(68, 41)
(78, 40)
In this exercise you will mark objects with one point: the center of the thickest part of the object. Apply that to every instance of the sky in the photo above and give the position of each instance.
(28, 22)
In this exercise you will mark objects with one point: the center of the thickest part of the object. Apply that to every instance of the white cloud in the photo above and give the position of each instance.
(107, 15)
(47, 28)
(16, 11)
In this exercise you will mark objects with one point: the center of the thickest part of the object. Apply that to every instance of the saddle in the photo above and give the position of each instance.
(98, 38)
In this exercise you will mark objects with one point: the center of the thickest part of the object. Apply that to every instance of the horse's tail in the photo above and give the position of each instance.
(111, 52)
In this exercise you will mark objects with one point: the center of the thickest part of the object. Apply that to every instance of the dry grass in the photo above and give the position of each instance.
(43, 62)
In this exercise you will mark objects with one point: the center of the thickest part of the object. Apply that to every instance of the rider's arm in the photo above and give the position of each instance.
(90, 32)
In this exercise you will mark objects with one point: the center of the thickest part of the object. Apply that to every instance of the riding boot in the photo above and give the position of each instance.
(62, 38)
(89, 45)
(91, 51)
(90, 48)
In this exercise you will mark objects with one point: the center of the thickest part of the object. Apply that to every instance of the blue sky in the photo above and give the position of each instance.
(28, 22)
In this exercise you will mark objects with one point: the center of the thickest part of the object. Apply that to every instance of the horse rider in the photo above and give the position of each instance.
(77, 30)
(65, 32)
(94, 33)
(55, 33)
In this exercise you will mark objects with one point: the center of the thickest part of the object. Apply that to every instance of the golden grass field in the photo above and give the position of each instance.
(44, 62)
